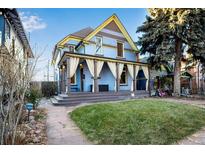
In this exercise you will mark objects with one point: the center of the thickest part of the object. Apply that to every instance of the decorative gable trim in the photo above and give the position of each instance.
(66, 39)
(90, 33)
(120, 26)
(61, 44)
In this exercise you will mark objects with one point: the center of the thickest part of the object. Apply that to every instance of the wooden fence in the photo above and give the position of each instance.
(47, 88)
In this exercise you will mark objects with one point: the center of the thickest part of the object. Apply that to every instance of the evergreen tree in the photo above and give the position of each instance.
(169, 33)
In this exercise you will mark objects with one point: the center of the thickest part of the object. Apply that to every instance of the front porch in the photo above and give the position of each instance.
(88, 73)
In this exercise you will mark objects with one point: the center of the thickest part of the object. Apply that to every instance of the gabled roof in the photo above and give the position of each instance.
(86, 34)
(83, 33)
(14, 18)
(117, 21)
(79, 35)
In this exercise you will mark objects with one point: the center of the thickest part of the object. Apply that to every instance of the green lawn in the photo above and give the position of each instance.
(138, 122)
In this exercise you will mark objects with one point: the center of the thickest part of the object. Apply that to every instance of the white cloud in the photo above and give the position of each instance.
(32, 22)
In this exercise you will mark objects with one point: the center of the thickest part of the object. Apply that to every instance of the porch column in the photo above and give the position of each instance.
(68, 75)
(117, 77)
(95, 86)
(59, 80)
(134, 79)
(63, 80)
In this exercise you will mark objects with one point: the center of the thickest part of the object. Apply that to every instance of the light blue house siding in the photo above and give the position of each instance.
(88, 78)
(106, 78)
(74, 87)
(86, 42)
(109, 51)
(77, 85)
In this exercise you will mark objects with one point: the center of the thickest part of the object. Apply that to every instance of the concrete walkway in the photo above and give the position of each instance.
(197, 102)
(61, 130)
(197, 138)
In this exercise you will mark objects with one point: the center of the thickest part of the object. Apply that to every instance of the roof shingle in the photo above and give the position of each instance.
(83, 32)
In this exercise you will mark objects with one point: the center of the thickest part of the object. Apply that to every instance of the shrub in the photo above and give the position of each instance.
(49, 88)
(33, 96)
(20, 139)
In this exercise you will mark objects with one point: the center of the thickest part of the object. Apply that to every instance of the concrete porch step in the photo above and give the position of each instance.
(74, 99)
(101, 94)
(59, 99)
(76, 102)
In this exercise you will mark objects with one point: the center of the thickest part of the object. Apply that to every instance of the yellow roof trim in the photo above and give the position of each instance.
(120, 26)
(61, 44)
(68, 38)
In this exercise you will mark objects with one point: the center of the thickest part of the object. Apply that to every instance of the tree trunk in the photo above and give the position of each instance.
(177, 67)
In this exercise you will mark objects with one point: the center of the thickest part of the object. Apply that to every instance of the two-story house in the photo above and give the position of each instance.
(100, 59)
(13, 38)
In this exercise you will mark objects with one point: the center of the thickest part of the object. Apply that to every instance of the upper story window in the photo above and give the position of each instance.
(71, 48)
(120, 49)
(99, 45)
(7, 31)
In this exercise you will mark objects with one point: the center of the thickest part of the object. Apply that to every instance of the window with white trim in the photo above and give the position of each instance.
(120, 49)
(98, 42)
(71, 48)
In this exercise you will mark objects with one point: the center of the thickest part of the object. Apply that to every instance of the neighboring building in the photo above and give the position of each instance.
(13, 40)
(100, 59)
(12, 35)
(191, 78)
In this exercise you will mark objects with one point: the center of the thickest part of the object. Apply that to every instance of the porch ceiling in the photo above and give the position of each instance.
(95, 57)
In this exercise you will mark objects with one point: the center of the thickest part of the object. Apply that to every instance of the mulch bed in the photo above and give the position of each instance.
(34, 130)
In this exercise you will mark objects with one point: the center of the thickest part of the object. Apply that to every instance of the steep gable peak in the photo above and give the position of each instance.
(113, 23)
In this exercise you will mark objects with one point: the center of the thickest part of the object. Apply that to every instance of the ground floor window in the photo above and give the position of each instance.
(124, 78)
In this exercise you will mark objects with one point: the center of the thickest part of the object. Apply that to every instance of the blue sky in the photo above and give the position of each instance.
(48, 26)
